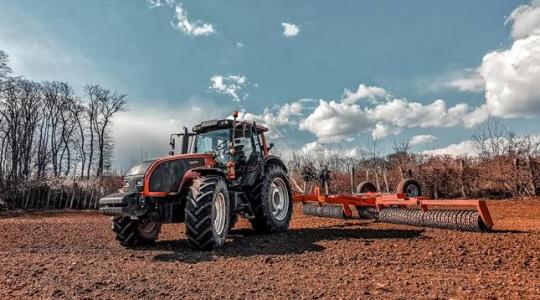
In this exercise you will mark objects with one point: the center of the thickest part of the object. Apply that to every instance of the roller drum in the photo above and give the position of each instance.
(465, 220)
(324, 211)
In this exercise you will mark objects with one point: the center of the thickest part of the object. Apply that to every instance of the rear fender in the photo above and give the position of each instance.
(275, 160)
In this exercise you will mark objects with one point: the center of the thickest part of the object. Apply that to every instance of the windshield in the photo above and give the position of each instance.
(212, 141)
(140, 169)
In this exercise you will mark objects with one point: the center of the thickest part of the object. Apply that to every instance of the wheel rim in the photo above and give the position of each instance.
(221, 211)
(280, 199)
(412, 190)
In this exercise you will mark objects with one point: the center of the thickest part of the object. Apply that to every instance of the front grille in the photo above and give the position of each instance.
(130, 184)
(168, 175)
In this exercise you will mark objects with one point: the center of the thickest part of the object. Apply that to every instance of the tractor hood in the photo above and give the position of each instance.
(165, 175)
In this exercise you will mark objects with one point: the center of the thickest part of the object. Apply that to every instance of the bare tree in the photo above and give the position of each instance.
(5, 70)
(107, 104)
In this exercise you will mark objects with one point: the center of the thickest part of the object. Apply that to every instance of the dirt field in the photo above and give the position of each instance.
(74, 255)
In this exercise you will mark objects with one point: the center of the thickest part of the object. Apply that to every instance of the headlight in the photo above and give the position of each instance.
(139, 182)
(126, 184)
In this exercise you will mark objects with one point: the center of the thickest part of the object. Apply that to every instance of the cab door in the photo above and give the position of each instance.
(252, 169)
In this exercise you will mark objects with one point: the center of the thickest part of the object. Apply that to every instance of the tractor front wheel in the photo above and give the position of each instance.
(273, 202)
(132, 233)
(207, 213)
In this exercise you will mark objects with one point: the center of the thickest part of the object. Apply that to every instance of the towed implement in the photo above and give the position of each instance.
(406, 206)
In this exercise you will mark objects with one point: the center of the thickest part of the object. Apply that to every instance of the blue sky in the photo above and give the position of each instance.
(414, 50)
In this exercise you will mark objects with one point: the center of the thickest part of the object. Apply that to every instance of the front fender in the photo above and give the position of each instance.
(192, 174)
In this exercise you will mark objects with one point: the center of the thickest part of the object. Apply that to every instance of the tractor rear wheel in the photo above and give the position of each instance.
(132, 233)
(207, 213)
(273, 202)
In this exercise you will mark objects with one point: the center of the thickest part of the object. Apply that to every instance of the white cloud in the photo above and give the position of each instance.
(289, 29)
(512, 79)
(276, 119)
(319, 148)
(335, 121)
(382, 130)
(230, 85)
(509, 77)
(190, 28)
(464, 148)
(370, 93)
(468, 81)
(239, 45)
(525, 20)
(422, 139)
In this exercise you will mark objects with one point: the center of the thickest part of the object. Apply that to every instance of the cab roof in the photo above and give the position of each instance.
(210, 125)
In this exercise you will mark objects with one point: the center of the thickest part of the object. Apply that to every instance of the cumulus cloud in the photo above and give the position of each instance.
(525, 20)
(289, 29)
(461, 149)
(190, 28)
(422, 139)
(230, 85)
(277, 118)
(510, 77)
(468, 81)
(319, 148)
(335, 121)
(370, 93)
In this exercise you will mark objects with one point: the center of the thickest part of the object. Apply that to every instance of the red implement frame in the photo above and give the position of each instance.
(382, 200)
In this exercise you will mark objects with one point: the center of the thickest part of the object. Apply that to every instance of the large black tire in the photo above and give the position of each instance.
(207, 213)
(133, 233)
(270, 216)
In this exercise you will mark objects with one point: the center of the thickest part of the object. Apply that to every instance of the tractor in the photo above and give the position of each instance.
(221, 171)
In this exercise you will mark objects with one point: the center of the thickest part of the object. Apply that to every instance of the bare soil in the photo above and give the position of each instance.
(74, 255)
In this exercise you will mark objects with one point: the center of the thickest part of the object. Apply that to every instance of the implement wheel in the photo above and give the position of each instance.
(273, 202)
(207, 213)
(410, 187)
(366, 187)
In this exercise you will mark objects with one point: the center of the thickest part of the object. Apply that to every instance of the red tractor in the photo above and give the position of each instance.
(222, 171)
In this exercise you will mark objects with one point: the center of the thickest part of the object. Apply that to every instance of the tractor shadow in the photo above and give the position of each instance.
(245, 242)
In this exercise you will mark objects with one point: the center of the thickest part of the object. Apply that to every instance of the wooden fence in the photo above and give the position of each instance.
(57, 193)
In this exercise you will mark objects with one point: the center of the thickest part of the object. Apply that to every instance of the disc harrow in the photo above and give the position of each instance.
(400, 208)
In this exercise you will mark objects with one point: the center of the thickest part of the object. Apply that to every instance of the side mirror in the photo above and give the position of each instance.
(270, 146)
(173, 145)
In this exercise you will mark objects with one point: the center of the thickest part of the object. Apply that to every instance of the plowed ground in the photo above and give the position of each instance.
(74, 255)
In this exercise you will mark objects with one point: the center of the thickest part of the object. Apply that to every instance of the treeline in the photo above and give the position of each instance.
(504, 165)
(47, 131)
